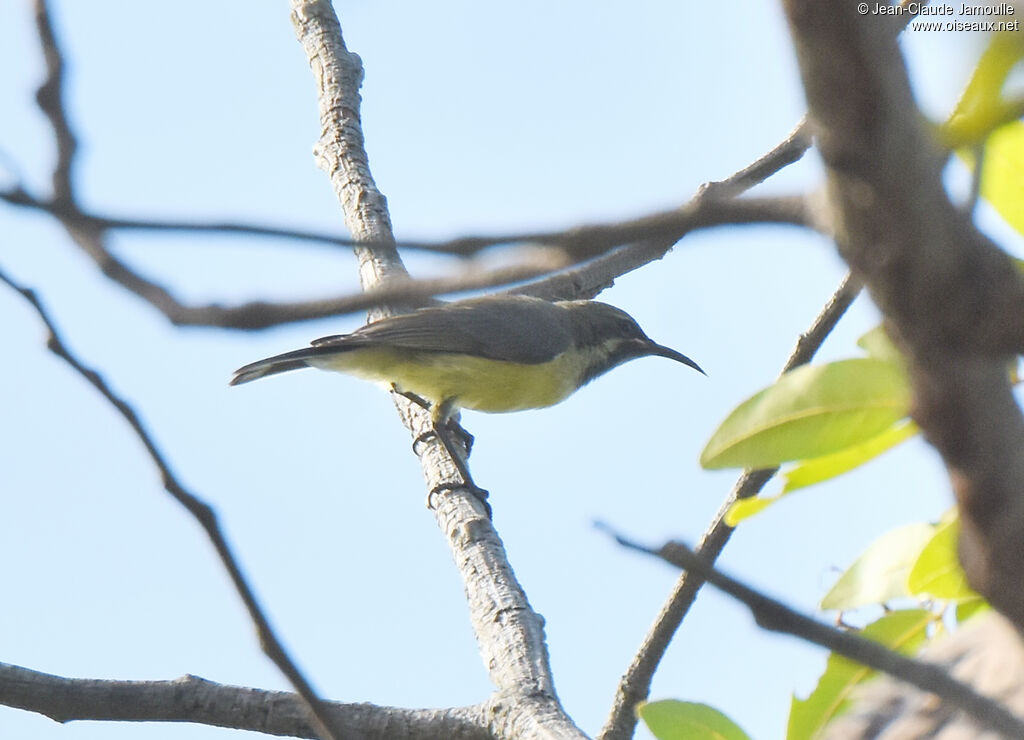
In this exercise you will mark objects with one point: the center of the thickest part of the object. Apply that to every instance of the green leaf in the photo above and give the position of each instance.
(902, 631)
(809, 472)
(984, 115)
(937, 572)
(747, 507)
(683, 720)
(877, 344)
(880, 573)
(811, 411)
(1002, 174)
(981, 107)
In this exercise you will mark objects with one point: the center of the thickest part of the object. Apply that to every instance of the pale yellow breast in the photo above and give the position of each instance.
(477, 383)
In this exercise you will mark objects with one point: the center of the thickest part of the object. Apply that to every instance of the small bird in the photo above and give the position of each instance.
(494, 354)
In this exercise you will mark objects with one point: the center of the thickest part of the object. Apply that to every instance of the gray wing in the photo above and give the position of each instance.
(512, 328)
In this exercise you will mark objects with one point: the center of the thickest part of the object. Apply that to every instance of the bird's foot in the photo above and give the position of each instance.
(470, 487)
(418, 400)
(443, 435)
(453, 428)
(450, 423)
(422, 439)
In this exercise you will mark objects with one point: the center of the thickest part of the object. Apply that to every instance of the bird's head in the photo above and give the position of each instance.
(613, 337)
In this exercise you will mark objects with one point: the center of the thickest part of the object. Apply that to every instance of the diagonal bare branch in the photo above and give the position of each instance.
(786, 152)
(199, 509)
(590, 278)
(773, 615)
(651, 236)
(636, 683)
(509, 633)
(50, 97)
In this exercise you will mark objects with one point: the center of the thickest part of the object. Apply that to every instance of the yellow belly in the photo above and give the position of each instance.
(474, 382)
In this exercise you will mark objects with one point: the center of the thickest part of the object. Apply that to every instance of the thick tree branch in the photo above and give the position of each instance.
(196, 700)
(985, 653)
(951, 298)
(509, 633)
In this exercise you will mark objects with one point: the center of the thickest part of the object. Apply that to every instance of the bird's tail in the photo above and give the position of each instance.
(273, 365)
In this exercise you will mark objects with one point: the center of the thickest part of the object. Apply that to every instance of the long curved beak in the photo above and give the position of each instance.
(659, 350)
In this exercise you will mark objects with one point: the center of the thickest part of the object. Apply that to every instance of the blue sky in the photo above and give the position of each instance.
(479, 118)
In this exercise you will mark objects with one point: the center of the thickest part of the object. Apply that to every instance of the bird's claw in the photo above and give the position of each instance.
(452, 427)
(470, 487)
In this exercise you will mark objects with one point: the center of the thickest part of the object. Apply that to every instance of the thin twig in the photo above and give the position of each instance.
(50, 97)
(653, 240)
(579, 242)
(552, 254)
(598, 274)
(775, 616)
(651, 236)
(199, 509)
(786, 152)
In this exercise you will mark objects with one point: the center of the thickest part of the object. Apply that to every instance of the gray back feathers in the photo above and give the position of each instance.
(513, 328)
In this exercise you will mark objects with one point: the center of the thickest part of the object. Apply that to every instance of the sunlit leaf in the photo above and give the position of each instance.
(747, 507)
(983, 115)
(981, 107)
(902, 631)
(880, 573)
(1002, 174)
(809, 472)
(811, 411)
(683, 720)
(937, 572)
